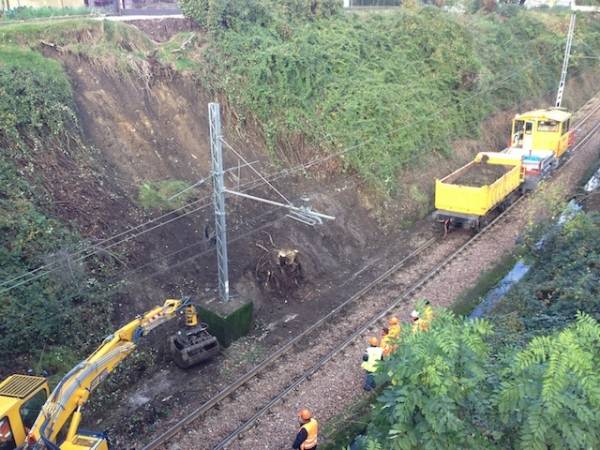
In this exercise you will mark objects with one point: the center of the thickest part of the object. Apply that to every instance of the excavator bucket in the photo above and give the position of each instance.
(193, 346)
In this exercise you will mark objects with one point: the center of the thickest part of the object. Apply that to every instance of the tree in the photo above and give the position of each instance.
(436, 380)
(550, 396)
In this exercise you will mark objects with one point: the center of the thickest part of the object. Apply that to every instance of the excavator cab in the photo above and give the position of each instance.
(21, 400)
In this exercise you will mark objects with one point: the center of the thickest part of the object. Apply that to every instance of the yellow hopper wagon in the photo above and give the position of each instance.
(468, 196)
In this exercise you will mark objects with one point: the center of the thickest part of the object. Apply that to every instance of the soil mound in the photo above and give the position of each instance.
(481, 174)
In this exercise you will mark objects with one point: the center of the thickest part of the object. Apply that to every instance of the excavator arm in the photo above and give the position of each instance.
(74, 389)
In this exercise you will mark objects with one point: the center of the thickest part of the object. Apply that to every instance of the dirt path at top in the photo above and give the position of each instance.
(338, 384)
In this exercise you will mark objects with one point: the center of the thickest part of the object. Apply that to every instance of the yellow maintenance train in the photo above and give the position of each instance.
(539, 142)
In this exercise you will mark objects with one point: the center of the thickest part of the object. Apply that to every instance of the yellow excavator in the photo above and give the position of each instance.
(31, 418)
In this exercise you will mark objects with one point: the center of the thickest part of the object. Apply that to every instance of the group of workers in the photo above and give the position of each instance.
(378, 350)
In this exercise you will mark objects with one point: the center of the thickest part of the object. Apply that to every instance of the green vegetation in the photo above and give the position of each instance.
(29, 109)
(565, 279)
(164, 195)
(60, 33)
(449, 388)
(26, 12)
(47, 315)
(177, 52)
(114, 48)
(392, 87)
(526, 378)
(470, 298)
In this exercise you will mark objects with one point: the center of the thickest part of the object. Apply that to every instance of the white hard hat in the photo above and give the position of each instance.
(414, 314)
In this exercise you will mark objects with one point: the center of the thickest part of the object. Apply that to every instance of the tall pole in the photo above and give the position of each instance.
(216, 153)
(565, 66)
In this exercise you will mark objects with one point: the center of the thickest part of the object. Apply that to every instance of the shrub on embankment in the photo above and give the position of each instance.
(392, 87)
(54, 316)
(40, 314)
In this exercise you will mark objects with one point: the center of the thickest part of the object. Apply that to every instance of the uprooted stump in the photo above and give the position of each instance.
(279, 271)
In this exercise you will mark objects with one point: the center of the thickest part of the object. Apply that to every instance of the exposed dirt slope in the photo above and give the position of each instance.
(158, 130)
(154, 128)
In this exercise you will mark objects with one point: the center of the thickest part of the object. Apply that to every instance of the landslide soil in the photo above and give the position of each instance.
(156, 128)
(480, 174)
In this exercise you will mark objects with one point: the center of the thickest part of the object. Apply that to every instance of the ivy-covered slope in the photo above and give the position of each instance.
(392, 87)
(45, 318)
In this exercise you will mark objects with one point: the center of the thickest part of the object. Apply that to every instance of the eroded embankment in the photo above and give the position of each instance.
(141, 119)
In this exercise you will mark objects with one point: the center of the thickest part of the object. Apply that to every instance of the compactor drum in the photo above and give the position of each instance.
(193, 346)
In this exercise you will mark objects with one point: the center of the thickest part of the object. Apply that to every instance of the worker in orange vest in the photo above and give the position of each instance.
(418, 323)
(394, 327)
(427, 314)
(306, 439)
(385, 343)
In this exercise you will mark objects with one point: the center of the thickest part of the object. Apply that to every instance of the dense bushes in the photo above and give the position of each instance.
(528, 378)
(393, 87)
(35, 98)
(37, 317)
(448, 388)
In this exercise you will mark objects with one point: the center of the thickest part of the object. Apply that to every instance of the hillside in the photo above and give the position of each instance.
(100, 125)
(390, 92)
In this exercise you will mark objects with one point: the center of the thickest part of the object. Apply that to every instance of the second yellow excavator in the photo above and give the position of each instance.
(33, 420)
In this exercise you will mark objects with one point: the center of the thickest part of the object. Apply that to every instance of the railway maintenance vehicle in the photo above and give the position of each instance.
(466, 196)
(32, 418)
(540, 140)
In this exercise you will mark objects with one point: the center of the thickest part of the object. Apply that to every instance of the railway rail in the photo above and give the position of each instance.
(590, 109)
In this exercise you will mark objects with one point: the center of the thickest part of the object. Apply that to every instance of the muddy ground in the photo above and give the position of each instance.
(156, 129)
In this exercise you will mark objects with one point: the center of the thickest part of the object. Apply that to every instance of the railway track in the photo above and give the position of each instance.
(285, 349)
(367, 326)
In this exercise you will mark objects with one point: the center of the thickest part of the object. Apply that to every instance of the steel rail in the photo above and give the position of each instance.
(307, 374)
(589, 114)
(408, 294)
(229, 390)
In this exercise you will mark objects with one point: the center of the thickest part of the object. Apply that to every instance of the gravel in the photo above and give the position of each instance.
(338, 384)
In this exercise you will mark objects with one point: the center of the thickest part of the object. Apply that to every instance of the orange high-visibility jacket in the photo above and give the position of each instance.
(395, 331)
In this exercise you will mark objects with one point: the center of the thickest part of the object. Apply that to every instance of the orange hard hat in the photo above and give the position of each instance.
(393, 321)
(373, 341)
(305, 414)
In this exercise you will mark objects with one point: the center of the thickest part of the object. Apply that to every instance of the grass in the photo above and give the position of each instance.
(114, 48)
(339, 431)
(471, 297)
(27, 12)
(157, 194)
(60, 33)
